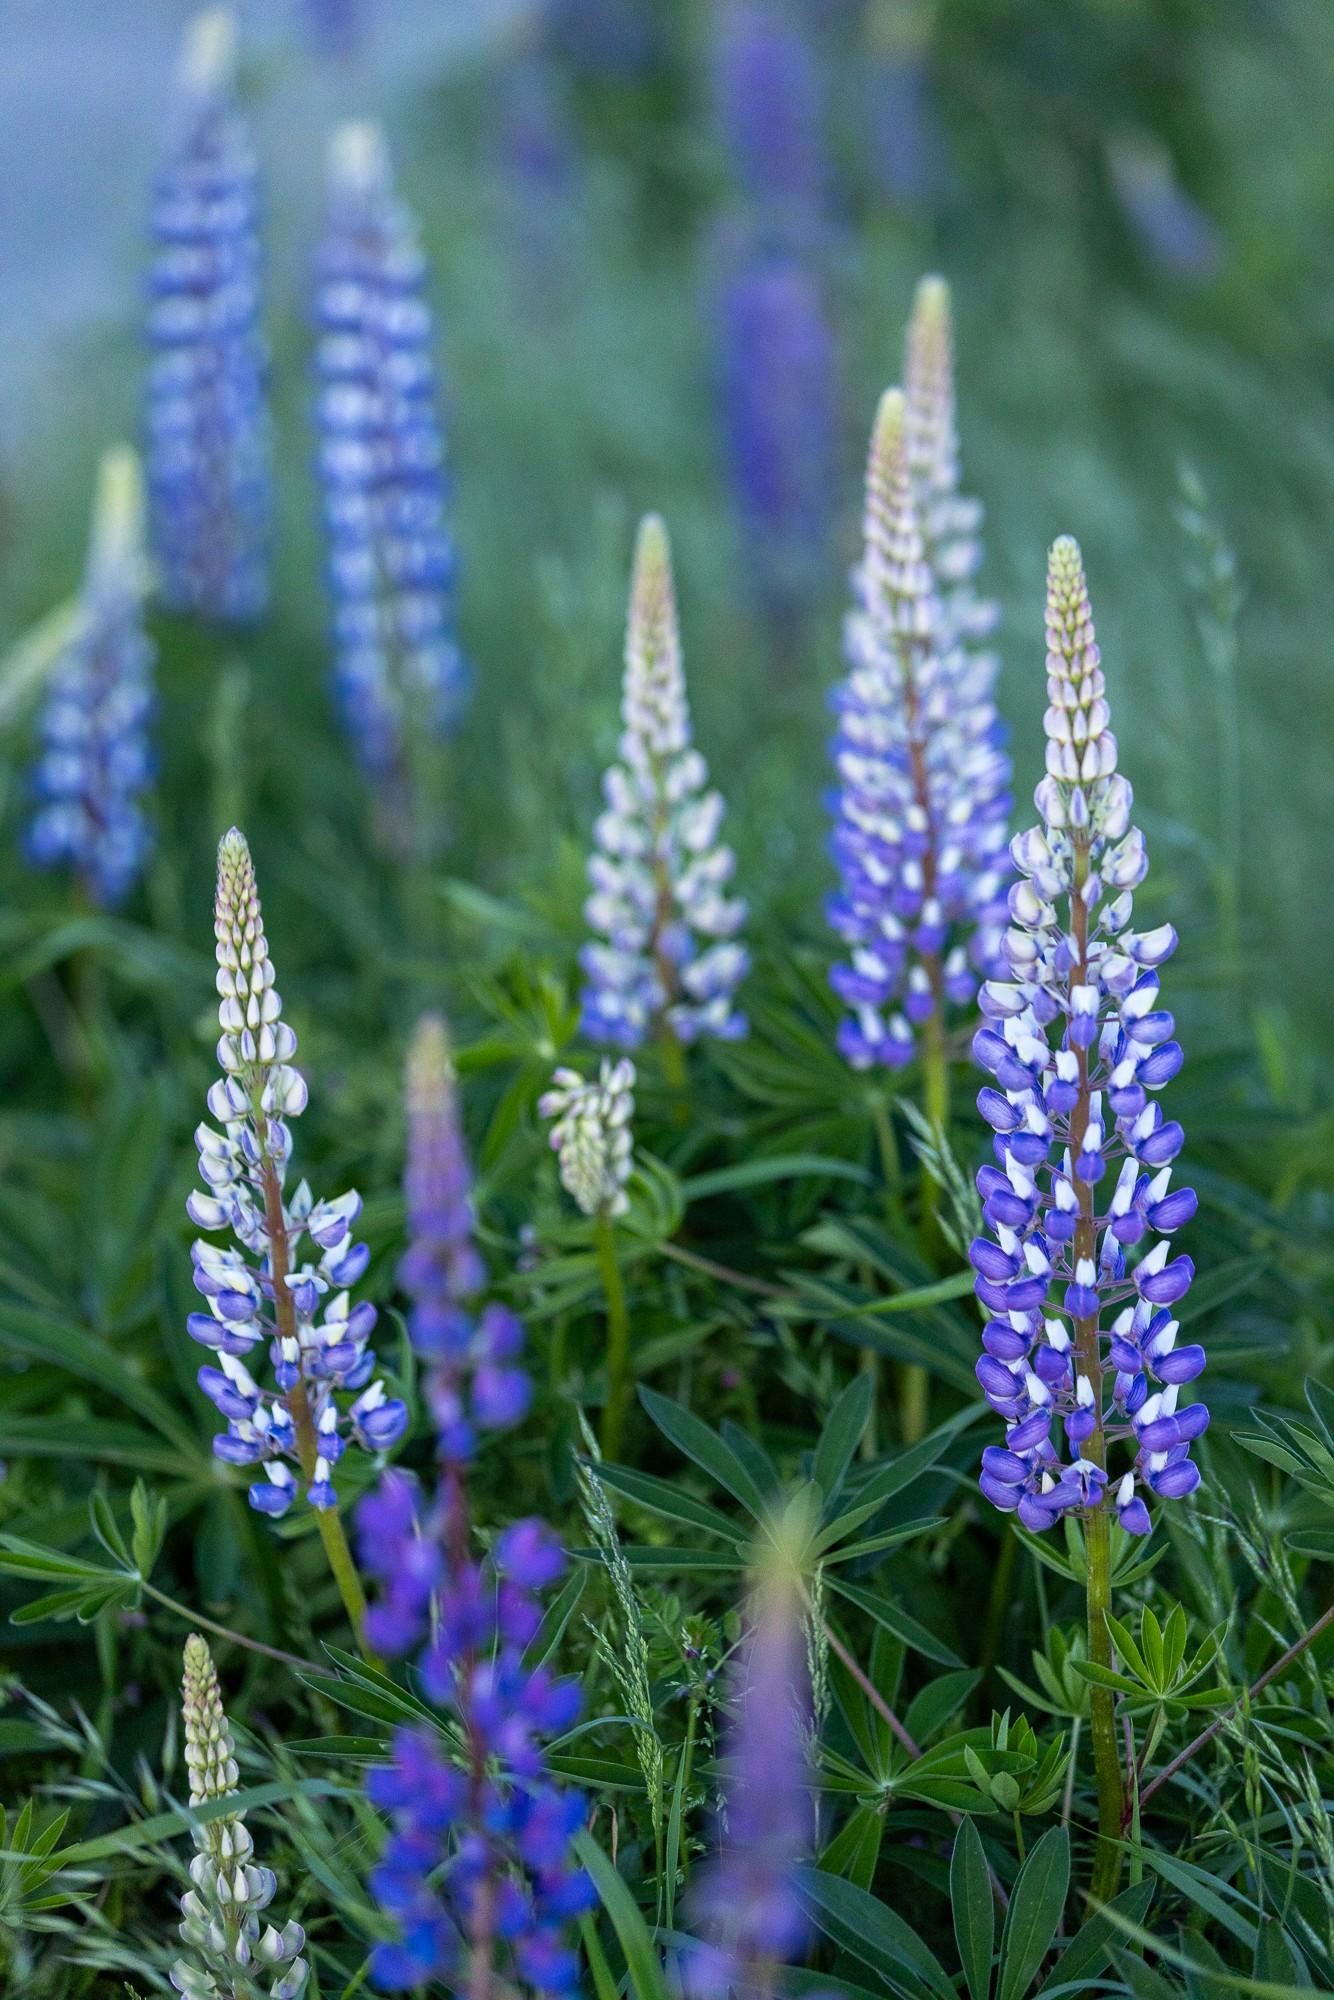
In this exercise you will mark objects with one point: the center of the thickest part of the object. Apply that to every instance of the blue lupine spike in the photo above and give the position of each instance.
(667, 950)
(476, 1874)
(206, 419)
(244, 1169)
(398, 670)
(1075, 1038)
(96, 761)
(768, 92)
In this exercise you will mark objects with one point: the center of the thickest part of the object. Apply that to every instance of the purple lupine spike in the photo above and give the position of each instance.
(768, 93)
(475, 1876)
(1078, 1045)
(96, 760)
(260, 1290)
(667, 952)
(207, 420)
(744, 1903)
(398, 669)
(337, 27)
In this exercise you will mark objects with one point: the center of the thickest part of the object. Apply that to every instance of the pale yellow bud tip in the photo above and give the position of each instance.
(359, 157)
(430, 1062)
(887, 437)
(931, 306)
(208, 53)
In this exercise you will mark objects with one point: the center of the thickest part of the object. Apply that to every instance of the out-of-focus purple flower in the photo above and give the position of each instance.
(1079, 1046)
(667, 949)
(96, 761)
(780, 416)
(744, 1902)
(260, 1290)
(923, 778)
(1172, 229)
(337, 27)
(398, 670)
(475, 1876)
(206, 419)
(769, 109)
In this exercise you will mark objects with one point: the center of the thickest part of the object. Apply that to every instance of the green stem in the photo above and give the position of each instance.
(914, 1382)
(618, 1340)
(1102, 1717)
(237, 1638)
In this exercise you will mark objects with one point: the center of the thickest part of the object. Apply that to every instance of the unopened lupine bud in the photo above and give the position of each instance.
(920, 813)
(667, 949)
(592, 1134)
(229, 1950)
(1076, 1042)
(96, 762)
(207, 424)
(398, 669)
(259, 1292)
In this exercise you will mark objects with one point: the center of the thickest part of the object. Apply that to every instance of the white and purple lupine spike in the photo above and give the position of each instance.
(923, 794)
(592, 1134)
(398, 670)
(1079, 1046)
(744, 1902)
(667, 953)
(96, 762)
(260, 1290)
(206, 419)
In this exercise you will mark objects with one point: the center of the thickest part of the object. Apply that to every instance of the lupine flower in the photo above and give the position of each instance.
(1079, 1045)
(398, 671)
(744, 1902)
(337, 26)
(920, 810)
(780, 415)
(207, 424)
(260, 1289)
(231, 1957)
(96, 761)
(476, 1873)
(769, 107)
(592, 1134)
(659, 872)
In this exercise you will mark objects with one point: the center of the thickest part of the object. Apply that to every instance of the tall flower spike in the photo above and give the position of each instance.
(260, 1290)
(1078, 1045)
(667, 950)
(96, 762)
(398, 671)
(231, 1956)
(920, 807)
(592, 1134)
(207, 424)
(475, 1875)
(745, 1902)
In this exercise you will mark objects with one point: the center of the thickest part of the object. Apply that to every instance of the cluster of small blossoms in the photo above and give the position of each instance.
(475, 1874)
(230, 1956)
(592, 1134)
(398, 670)
(769, 108)
(96, 761)
(744, 1903)
(667, 949)
(1078, 1043)
(207, 423)
(260, 1292)
(922, 798)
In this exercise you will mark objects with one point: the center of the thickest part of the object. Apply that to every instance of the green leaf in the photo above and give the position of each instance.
(661, 1497)
(1206, 1891)
(779, 1167)
(872, 1932)
(645, 1556)
(148, 1513)
(636, 1940)
(841, 1435)
(1091, 1947)
(1143, 1982)
(38, 1337)
(695, 1438)
(106, 1529)
(974, 1909)
(1035, 1912)
(895, 1620)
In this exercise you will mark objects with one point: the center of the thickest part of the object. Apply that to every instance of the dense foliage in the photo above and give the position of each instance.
(692, 1641)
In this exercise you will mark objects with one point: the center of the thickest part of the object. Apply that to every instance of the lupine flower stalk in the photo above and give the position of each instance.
(591, 1134)
(475, 1875)
(230, 1953)
(744, 1902)
(260, 1289)
(768, 93)
(96, 761)
(207, 421)
(398, 672)
(920, 811)
(1079, 1045)
(667, 955)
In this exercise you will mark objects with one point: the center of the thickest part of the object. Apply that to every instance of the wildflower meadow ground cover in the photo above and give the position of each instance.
(666, 1212)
